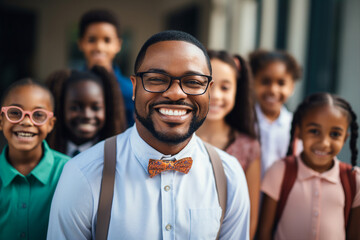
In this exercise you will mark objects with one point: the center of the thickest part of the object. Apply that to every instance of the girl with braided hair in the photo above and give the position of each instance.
(316, 203)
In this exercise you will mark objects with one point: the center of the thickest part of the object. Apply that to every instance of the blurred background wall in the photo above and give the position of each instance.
(39, 36)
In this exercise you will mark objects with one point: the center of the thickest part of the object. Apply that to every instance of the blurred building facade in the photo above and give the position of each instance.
(39, 36)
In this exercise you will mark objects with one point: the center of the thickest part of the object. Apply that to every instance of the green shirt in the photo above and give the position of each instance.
(25, 200)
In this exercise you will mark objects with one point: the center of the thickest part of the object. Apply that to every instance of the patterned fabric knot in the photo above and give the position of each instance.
(157, 166)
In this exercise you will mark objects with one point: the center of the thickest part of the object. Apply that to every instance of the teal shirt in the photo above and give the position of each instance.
(25, 200)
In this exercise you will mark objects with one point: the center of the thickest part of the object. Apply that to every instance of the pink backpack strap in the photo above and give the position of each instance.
(348, 181)
(288, 181)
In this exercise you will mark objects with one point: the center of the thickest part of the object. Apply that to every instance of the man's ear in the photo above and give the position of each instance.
(211, 84)
(133, 81)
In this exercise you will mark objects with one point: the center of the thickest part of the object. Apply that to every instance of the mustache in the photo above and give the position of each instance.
(151, 106)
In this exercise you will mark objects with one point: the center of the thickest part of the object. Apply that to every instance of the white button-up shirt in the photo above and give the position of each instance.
(171, 205)
(274, 137)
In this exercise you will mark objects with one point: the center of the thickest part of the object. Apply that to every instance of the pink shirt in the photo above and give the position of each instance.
(315, 206)
(245, 149)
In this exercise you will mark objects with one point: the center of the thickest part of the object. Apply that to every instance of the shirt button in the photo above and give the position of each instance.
(167, 188)
(168, 227)
(23, 205)
(316, 213)
(316, 193)
(22, 235)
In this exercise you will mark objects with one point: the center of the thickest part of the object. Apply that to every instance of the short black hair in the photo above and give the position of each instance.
(261, 58)
(169, 35)
(97, 16)
(28, 82)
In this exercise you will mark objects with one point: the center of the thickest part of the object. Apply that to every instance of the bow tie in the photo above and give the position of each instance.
(157, 166)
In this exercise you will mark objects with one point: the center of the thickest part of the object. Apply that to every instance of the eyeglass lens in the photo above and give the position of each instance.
(38, 116)
(191, 84)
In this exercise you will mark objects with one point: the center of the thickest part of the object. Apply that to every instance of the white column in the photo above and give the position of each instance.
(297, 35)
(217, 28)
(243, 31)
(268, 24)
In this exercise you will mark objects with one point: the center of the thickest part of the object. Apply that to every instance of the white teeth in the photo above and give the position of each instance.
(24, 134)
(171, 112)
(321, 153)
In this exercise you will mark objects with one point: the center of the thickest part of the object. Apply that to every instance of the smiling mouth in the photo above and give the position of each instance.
(320, 153)
(86, 127)
(270, 99)
(172, 112)
(24, 134)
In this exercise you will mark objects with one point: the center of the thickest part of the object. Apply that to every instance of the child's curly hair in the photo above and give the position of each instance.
(259, 59)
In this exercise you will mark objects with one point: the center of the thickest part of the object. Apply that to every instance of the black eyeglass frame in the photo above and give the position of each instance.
(140, 74)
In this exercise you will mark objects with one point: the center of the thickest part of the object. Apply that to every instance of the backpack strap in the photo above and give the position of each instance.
(348, 181)
(288, 181)
(106, 189)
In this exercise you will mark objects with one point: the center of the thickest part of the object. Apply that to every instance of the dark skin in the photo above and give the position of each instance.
(26, 152)
(175, 58)
(267, 217)
(323, 131)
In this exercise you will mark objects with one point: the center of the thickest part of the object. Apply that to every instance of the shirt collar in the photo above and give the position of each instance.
(143, 151)
(7, 171)
(41, 172)
(71, 147)
(282, 120)
(304, 172)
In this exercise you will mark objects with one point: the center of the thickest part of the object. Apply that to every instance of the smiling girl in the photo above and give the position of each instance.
(230, 122)
(89, 108)
(317, 204)
(29, 169)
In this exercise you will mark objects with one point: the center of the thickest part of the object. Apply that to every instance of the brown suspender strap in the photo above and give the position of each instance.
(108, 180)
(220, 179)
(348, 181)
(106, 189)
(288, 181)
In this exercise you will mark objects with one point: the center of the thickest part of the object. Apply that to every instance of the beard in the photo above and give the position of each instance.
(148, 123)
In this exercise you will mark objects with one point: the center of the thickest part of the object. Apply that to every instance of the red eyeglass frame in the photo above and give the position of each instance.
(29, 113)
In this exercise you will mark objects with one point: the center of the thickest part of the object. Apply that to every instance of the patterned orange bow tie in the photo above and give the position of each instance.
(157, 166)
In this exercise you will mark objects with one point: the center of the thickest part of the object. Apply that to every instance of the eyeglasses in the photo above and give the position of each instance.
(16, 114)
(191, 84)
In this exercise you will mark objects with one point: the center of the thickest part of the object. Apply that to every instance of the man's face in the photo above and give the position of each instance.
(172, 116)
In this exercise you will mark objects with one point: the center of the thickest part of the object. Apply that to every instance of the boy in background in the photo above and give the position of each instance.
(275, 74)
(100, 41)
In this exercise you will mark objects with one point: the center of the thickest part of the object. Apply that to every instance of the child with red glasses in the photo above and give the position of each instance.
(29, 169)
